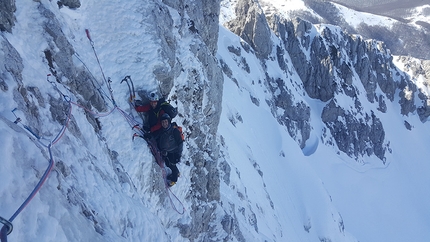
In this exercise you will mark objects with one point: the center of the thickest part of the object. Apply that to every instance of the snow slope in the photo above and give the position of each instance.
(372, 202)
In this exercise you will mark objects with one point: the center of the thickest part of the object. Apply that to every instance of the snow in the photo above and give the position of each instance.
(420, 81)
(421, 13)
(284, 6)
(52, 220)
(371, 200)
(295, 195)
(355, 18)
(269, 6)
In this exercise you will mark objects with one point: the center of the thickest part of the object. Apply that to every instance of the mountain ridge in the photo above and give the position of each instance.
(403, 33)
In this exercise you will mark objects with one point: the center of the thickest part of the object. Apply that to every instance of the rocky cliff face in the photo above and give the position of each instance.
(201, 94)
(252, 27)
(332, 65)
(7, 19)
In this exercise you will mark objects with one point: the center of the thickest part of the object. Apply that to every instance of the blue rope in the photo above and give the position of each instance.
(38, 186)
(3, 234)
(7, 228)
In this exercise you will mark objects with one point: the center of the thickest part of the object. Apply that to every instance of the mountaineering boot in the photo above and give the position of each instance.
(170, 183)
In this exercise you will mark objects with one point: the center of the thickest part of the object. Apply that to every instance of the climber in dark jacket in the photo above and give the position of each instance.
(154, 111)
(170, 144)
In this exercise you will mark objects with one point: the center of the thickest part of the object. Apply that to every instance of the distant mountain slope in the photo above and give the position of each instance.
(382, 7)
(404, 36)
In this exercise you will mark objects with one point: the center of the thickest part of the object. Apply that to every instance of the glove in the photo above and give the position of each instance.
(138, 102)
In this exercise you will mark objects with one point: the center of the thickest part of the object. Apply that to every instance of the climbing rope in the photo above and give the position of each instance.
(108, 81)
(99, 86)
(38, 186)
(7, 227)
(7, 224)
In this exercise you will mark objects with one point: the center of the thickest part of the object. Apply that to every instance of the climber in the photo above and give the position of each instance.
(170, 144)
(155, 109)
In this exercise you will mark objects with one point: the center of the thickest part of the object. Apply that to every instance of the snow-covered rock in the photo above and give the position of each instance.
(294, 131)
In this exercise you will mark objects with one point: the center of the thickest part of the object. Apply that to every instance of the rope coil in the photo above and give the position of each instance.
(7, 225)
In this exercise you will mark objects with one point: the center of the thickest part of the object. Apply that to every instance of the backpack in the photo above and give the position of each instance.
(169, 109)
(176, 126)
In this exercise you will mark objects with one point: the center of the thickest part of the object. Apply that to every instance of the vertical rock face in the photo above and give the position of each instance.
(315, 71)
(335, 59)
(355, 136)
(59, 57)
(7, 19)
(69, 3)
(200, 17)
(202, 103)
(252, 27)
(296, 115)
(166, 73)
(423, 68)
(417, 68)
(28, 98)
(12, 66)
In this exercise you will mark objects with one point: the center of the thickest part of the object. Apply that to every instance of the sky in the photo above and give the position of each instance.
(278, 191)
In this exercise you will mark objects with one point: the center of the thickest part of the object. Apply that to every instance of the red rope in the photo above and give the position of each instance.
(44, 177)
(160, 162)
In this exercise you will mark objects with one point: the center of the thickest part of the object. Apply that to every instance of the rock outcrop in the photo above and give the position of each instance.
(252, 27)
(7, 18)
(331, 64)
